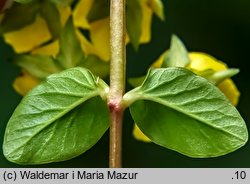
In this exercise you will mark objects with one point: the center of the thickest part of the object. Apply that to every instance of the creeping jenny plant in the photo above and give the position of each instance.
(191, 93)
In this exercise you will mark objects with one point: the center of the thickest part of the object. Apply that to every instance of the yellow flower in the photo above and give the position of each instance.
(99, 30)
(200, 62)
(31, 37)
(34, 37)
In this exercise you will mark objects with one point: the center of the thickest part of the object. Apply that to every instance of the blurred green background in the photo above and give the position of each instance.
(218, 27)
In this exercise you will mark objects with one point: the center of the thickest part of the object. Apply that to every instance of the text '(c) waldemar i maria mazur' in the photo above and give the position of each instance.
(78, 175)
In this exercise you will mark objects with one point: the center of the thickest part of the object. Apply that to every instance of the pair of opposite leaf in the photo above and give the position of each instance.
(67, 114)
(58, 120)
(89, 17)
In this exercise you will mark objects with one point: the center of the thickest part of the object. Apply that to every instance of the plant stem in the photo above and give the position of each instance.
(117, 79)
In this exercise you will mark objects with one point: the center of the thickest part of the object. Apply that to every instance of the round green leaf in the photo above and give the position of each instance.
(60, 119)
(184, 112)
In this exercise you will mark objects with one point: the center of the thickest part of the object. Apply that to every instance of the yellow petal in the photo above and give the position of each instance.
(201, 61)
(137, 133)
(230, 91)
(29, 37)
(51, 49)
(64, 12)
(99, 34)
(99, 30)
(80, 13)
(24, 83)
(146, 22)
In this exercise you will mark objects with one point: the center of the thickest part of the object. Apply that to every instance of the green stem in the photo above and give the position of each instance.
(117, 79)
